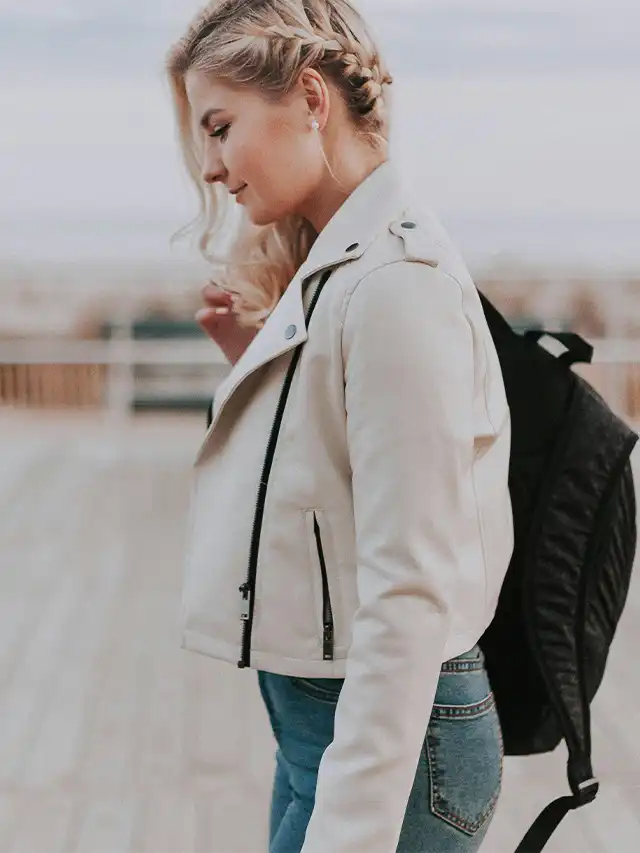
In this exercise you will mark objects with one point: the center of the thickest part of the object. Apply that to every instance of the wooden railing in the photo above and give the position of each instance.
(53, 386)
(96, 375)
(93, 374)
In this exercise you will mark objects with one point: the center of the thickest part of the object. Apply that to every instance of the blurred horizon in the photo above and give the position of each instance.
(551, 242)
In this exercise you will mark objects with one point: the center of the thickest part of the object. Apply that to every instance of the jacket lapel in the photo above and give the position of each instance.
(283, 330)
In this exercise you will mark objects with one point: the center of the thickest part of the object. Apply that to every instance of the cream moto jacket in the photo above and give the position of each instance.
(371, 539)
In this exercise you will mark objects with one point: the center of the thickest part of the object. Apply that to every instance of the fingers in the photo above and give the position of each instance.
(209, 316)
(216, 318)
(214, 295)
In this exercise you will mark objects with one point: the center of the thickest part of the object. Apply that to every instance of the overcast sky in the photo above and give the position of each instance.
(519, 121)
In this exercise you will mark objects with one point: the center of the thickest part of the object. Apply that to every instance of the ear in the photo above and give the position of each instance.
(316, 94)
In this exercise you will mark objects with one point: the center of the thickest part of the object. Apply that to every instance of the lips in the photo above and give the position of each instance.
(239, 189)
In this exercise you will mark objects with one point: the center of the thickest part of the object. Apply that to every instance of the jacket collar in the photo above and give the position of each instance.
(355, 225)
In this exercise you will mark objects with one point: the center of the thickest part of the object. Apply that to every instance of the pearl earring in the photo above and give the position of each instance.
(315, 125)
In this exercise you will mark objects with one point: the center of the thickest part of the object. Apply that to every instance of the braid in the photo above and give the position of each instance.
(365, 81)
(315, 43)
(305, 38)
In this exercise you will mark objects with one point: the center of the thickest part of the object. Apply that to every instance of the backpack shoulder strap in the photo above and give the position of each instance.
(576, 348)
(549, 819)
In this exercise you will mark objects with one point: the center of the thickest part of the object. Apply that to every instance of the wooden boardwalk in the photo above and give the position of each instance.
(113, 739)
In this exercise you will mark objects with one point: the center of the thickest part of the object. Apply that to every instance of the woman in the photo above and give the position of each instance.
(351, 523)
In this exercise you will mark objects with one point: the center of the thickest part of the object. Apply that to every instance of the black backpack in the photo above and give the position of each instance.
(574, 511)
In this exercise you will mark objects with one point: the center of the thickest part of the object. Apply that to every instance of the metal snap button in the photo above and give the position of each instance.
(291, 332)
(408, 225)
(352, 247)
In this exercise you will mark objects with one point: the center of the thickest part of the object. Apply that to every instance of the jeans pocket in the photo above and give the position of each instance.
(323, 689)
(464, 753)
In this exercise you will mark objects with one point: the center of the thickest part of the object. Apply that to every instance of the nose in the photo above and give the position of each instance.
(213, 169)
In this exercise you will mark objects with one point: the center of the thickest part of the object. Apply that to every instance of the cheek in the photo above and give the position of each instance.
(283, 166)
(240, 155)
(289, 161)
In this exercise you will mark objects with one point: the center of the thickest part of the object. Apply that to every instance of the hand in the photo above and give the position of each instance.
(221, 325)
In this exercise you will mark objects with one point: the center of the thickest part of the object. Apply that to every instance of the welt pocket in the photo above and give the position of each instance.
(464, 792)
(317, 538)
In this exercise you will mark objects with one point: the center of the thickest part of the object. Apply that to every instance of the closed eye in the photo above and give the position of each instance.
(220, 132)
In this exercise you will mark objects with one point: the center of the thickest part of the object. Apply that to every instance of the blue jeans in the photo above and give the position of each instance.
(459, 772)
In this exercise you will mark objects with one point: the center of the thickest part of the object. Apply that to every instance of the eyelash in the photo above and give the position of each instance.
(220, 132)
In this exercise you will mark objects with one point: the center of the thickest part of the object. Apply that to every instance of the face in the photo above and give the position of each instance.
(246, 141)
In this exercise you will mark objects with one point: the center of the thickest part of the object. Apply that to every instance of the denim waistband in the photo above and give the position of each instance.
(470, 661)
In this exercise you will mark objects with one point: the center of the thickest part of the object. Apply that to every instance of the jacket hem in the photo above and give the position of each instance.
(193, 641)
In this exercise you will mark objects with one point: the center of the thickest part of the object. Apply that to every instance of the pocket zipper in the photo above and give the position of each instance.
(327, 611)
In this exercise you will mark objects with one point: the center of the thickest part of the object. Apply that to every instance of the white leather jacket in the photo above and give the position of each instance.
(370, 540)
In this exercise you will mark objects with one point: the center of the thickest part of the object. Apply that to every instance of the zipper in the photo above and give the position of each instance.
(248, 588)
(327, 612)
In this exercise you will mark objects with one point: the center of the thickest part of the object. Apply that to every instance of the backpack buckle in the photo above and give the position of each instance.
(585, 792)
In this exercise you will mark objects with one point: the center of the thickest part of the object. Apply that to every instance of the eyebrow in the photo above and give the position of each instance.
(204, 121)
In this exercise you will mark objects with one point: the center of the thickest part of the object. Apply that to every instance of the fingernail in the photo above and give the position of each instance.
(223, 310)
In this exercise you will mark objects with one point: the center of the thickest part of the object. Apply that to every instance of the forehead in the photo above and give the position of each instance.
(205, 92)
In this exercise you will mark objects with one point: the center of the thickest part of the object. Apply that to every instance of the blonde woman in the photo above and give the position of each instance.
(351, 523)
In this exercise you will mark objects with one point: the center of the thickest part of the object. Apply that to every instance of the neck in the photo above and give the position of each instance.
(337, 187)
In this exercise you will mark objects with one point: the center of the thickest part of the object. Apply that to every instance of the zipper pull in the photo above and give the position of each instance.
(327, 641)
(245, 604)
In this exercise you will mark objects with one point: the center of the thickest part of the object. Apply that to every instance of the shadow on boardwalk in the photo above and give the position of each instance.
(113, 739)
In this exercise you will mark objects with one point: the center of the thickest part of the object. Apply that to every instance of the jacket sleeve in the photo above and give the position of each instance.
(409, 385)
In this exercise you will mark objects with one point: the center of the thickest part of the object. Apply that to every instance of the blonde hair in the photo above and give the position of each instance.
(267, 44)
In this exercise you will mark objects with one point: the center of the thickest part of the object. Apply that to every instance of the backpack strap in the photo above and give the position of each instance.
(576, 348)
(584, 789)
